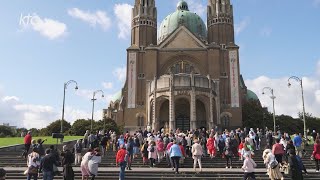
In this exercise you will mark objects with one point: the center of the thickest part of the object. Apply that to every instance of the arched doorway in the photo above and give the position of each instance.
(201, 115)
(182, 107)
(164, 114)
(225, 120)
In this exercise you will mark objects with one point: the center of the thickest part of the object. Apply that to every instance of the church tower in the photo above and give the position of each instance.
(144, 23)
(220, 22)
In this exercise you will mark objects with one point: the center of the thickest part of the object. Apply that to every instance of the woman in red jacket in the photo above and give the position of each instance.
(121, 158)
(316, 154)
(211, 147)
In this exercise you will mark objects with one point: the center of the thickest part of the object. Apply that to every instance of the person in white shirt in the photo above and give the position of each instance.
(33, 163)
(248, 167)
(197, 153)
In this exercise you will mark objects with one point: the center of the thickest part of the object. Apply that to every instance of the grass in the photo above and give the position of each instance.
(19, 140)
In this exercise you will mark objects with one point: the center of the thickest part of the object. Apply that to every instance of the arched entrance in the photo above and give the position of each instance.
(201, 115)
(164, 114)
(182, 107)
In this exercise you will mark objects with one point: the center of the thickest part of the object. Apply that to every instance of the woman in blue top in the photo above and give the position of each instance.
(175, 155)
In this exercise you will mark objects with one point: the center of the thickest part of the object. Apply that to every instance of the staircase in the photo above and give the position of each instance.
(212, 168)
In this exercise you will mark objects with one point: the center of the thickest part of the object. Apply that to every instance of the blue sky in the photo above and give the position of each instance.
(86, 41)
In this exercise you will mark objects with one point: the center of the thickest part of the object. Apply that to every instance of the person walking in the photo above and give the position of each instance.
(130, 152)
(295, 171)
(2, 174)
(121, 161)
(46, 165)
(248, 167)
(316, 154)
(33, 163)
(144, 152)
(211, 146)
(278, 150)
(175, 155)
(27, 144)
(84, 165)
(77, 152)
(67, 161)
(273, 167)
(152, 155)
(160, 148)
(228, 155)
(196, 150)
(297, 142)
(103, 145)
(85, 139)
(94, 162)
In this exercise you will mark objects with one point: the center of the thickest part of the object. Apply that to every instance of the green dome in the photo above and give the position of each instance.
(117, 97)
(251, 95)
(182, 16)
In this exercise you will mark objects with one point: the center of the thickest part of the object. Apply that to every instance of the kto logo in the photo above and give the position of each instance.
(26, 20)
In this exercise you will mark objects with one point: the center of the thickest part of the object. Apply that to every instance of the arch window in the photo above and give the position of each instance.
(181, 67)
(140, 121)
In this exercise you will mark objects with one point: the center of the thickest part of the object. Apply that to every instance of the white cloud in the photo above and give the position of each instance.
(266, 31)
(288, 100)
(10, 99)
(98, 18)
(107, 85)
(242, 25)
(49, 28)
(19, 114)
(123, 15)
(120, 73)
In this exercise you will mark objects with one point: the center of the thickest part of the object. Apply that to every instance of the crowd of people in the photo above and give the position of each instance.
(281, 152)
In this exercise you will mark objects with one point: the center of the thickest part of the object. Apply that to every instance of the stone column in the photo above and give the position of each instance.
(218, 107)
(193, 113)
(154, 118)
(211, 87)
(171, 105)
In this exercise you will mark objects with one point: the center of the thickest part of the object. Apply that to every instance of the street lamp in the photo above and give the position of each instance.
(303, 109)
(274, 112)
(93, 99)
(65, 85)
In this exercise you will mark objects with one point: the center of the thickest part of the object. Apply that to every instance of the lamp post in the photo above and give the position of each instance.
(65, 86)
(93, 99)
(274, 112)
(303, 109)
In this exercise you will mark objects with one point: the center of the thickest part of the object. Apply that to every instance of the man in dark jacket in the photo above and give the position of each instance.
(295, 170)
(67, 160)
(46, 165)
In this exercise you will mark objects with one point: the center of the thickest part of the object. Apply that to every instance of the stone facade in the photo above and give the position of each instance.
(182, 81)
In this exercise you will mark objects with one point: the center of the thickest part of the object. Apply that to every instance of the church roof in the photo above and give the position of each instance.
(252, 96)
(182, 17)
(117, 96)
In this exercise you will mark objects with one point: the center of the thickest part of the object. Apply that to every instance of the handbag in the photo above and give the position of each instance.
(273, 164)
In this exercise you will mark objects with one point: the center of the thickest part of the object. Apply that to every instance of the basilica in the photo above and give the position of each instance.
(184, 75)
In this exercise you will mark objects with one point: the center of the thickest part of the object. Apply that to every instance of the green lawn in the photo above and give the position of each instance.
(19, 140)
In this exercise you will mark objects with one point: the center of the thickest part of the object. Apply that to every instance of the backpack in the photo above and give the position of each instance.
(152, 149)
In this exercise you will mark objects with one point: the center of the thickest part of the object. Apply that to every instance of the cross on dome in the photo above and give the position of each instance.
(182, 5)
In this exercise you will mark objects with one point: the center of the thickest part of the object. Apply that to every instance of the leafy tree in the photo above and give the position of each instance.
(6, 131)
(35, 132)
(80, 126)
(55, 127)
(255, 116)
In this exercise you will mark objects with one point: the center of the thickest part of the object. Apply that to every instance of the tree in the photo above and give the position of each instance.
(80, 126)
(255, 116)
(312, 122)
(55, 127)
(5, 131)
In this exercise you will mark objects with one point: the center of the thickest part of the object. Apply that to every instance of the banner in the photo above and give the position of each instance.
(234, 78)
(132, 73)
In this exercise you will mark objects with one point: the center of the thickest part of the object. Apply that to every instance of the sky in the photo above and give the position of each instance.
(44, 44)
